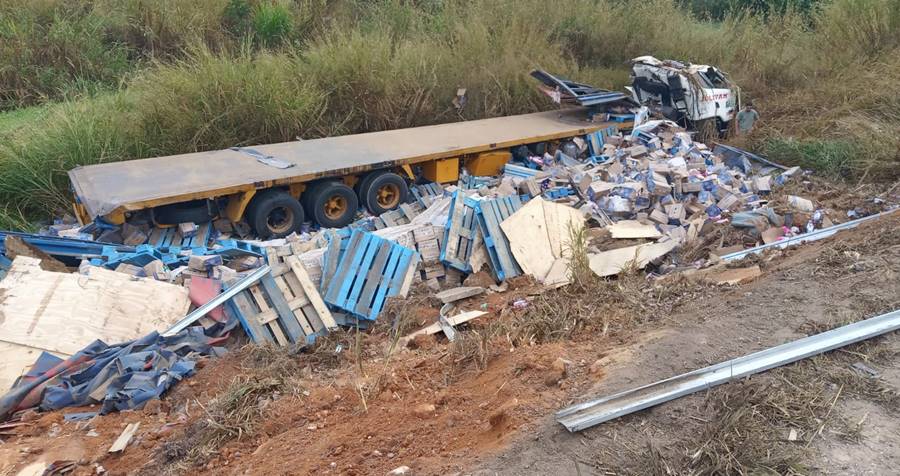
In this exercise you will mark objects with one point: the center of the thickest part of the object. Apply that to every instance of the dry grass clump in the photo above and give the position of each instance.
(269, 372)
(235, 413)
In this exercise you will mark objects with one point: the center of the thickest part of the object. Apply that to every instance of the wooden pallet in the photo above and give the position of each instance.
(472, 182)
(461, 233)
(490, 214)
(171, 237)
(371, 270)
(425, 194)
(596, 140)
(284, 307)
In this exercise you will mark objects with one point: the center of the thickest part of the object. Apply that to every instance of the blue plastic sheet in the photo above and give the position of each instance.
(118, 377)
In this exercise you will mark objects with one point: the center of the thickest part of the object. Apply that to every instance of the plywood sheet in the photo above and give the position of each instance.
(538, 234)
(15, 360)
(529, 242)
(63, 312)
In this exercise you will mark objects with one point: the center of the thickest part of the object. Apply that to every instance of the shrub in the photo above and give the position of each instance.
(272, 24)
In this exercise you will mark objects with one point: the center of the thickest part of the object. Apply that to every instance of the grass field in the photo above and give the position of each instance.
(118, 80)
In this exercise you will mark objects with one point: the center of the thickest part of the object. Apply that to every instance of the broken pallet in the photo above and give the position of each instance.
(371, 270)
(490, 214)
(284, 307)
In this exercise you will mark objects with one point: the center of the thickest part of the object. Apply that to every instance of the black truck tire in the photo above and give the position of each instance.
(331, 204)
(382, 192)
(196, 211)
(274, 214)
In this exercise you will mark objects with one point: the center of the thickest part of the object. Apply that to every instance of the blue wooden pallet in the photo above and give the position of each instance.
(425, 193)
(596, 140)
(558, 192)
(490, 214)
(371, 270)
(519, 171)
(472, 182)
(169, 237)
(141, 256)
(460, 234)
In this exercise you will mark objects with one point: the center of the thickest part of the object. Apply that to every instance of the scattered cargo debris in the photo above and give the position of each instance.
(649, 198)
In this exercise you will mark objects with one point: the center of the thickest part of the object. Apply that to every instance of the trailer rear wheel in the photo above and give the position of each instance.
(383, 192)
(331, 204)
(275, 214)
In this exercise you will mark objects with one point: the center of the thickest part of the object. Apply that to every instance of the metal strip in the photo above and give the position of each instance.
(229, 293)
(813, 236)
(585, 415)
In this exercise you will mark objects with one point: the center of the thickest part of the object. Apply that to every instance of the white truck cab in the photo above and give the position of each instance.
(693, 95)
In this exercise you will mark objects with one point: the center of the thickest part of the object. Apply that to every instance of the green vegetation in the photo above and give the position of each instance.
(137, 78)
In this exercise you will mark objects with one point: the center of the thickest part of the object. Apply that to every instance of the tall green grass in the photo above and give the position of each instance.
(216, 73)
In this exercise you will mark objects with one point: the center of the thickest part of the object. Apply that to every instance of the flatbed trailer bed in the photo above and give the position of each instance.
(127, 186)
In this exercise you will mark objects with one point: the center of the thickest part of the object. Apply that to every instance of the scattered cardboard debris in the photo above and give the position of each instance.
(633, 229)
(611, 263)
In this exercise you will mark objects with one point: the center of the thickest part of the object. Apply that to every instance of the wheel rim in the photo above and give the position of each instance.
(388, 196)
(280, 220)
(335, 207)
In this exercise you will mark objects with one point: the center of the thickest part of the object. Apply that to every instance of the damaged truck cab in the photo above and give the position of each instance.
(689, 94)
(275, 188)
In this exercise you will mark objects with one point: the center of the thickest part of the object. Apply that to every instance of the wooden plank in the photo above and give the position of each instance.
(434, 328)
(246, 313)
(373, 279)
(407, 279)
(457, 210)
(293, 283)
(340, 285)
(501, 252)
(384, 291)
(260, 300)
(298, 314)
(332, 256)
(124, 438)
(265, 318)
(312, 316)
(291, 326)
(283, 287)
(373, 244)
(311, 293)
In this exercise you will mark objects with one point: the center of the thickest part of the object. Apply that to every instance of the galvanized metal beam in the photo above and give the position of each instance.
(585, 415)
(812, 236)
(229, 293)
